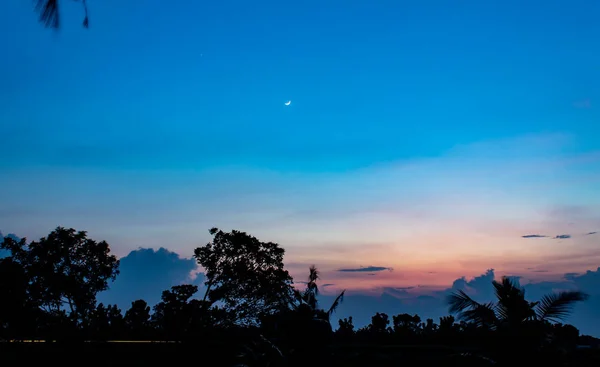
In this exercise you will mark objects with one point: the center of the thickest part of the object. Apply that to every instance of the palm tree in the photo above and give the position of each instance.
(511, 307)
(308, 298)
(49, 12)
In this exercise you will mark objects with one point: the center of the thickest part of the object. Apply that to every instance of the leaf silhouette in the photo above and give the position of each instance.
(557, 306)
(48, 11)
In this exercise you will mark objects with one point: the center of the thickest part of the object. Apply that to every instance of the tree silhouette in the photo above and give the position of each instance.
(178, 316)
(305, 327)
(105, 322)
(245, 274)
(137, 319)
(65, 270)
(48, 290)
(346, 326)
(345, 331)
(49, 12)
(379, 323)
(511, 307)
(308, 298)
(18, 314)
(512, 319)
(405, 323)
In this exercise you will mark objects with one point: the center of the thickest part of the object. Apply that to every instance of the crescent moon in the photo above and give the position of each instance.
(288, 103)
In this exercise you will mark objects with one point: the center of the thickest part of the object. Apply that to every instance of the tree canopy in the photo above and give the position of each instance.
(246, 275)
(65, 270)
(511, 307)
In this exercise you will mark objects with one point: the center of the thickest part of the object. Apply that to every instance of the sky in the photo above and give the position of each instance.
(422, 142)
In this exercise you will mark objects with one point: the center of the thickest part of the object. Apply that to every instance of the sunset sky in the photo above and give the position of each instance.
(423, 137)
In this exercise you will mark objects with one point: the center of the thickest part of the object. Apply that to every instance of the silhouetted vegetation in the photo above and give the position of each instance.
(251, 314)
(49, 12)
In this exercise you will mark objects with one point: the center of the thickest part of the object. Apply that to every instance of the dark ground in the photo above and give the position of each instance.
(211, 354)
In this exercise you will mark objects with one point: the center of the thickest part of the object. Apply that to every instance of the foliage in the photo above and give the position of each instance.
(173, 315)
(65, 269)
(48, 290)
(511, 307)
(137, 320)
(307, 299)
(104, 322)
(17, 309)
(524, 324)
(49, 14)
(245, 274)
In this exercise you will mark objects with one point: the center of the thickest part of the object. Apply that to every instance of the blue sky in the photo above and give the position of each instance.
(204, 84)
(427, 137)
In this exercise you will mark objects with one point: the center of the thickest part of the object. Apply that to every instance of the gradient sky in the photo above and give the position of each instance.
(423, 136)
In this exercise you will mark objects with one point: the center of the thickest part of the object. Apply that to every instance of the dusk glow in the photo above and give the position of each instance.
(415, 153)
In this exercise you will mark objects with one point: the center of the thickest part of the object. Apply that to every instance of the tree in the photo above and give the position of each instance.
(379, 323)
(447, 324)
(308, 298)
(65, 270)
(17, 311)
(137, 319)
(514, 320)
(49, 13)
(245, 274)
(406, 324)
(346, 326)
(511, 307)
(345, 331)
(105, 322)
(175, 313)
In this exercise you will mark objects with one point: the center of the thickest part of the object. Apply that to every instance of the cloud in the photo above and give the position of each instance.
(401, 289)
(534, 270)
(10, 235)
(571, 276)
(562, 236)
(366, 269)
(145, 273)
(4, 253)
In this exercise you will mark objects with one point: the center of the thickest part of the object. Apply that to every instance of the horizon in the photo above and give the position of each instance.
(425, 151)
(146, 272)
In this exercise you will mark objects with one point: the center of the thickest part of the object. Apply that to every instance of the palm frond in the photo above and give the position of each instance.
(557, 306)
(507, 290)
(86, 20)
(338, 300)
(482, 315)
(49, 14)
(512, 305)
(48, 11)
(469, 310)
(460, 301)
(314, 274)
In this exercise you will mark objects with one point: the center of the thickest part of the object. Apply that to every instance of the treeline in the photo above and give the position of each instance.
(48, 290)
